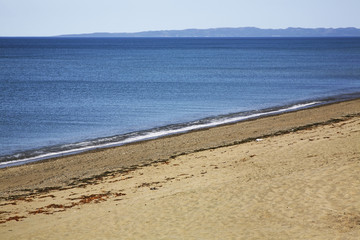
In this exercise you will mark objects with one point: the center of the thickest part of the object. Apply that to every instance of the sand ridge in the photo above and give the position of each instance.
(64, 171)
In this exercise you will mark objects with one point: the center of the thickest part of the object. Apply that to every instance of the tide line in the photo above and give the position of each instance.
(153, 135)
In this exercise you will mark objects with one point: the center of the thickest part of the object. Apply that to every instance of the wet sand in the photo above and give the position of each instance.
(291, 176)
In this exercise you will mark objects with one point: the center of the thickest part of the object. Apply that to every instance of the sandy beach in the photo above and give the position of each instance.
(290, 176)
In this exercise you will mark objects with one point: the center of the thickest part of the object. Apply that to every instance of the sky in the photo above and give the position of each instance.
(56, 17)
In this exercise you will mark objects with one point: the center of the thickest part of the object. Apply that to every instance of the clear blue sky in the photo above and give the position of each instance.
(54, 17)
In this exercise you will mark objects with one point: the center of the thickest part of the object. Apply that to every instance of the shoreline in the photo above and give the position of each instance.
(154, 133)
(70, 170)
(50, 152)
(298, 181)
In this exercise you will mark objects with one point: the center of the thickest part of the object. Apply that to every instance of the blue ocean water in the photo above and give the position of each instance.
(60, 94)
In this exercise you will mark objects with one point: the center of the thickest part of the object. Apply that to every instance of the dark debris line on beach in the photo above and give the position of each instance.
(55, 208)
(82, 182)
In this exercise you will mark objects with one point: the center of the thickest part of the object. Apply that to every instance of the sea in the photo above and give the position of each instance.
(61, 96)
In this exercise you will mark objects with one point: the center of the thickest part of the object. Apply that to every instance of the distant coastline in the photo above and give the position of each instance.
(233, 32)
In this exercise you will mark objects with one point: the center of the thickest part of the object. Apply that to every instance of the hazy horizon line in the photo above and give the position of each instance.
(179, 30)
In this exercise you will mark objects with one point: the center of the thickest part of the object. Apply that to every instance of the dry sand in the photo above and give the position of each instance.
(294, 183)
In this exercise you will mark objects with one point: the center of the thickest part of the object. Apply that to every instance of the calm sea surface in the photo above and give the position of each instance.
(60, 94)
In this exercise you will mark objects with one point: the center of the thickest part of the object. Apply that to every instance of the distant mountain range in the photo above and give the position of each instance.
(234, 32)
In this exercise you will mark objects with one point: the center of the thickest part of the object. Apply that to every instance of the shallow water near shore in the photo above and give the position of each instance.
(61, 96)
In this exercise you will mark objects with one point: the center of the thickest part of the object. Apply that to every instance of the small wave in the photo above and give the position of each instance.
(68, 149)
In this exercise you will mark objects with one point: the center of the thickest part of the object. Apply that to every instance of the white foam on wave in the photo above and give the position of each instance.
(152, 135)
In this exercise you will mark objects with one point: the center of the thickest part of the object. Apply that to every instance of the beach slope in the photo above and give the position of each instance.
(293, 176)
